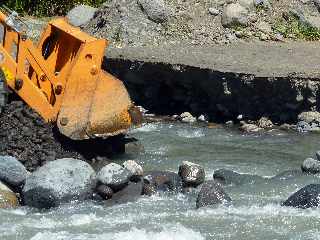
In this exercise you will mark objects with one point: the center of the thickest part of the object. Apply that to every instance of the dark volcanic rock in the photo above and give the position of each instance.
(58, 182)
(114, 176)
(192, 174)
(104, 192)
(161, 181)
(227, 177)
(311, 165)
(12, 172)
(25, 136)
(212, 193)
(307, 197)
(131, 193)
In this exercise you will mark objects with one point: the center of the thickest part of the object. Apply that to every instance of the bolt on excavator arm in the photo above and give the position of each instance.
(62, 80)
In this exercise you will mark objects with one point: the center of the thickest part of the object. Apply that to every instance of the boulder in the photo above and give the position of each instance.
(58, 182)
(161, 181)
(80, 15)
(212, 193)
(12, 172)
(187, 117)
(213, 11)
(318, 155)
(114, 176)
(156, 10)
(307, 197)
(8, 199)
(228, 177)
(265, 123)
(130, 193)
(135, 169)
(250, 128)
(192, 174)
(309, 117)
(303, 127)
(311, 165)
(104, 192)
(234, 15)
(99, 162)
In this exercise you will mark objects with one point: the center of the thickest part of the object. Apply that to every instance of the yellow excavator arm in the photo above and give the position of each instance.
(62, 79)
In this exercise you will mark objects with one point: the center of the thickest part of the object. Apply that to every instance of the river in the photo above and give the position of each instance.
(255, 213)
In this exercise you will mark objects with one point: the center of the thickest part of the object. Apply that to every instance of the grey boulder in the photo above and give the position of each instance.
(59, 182)
(135, 169)
(311, 165)
(212, 193)
(114, 176)
(307, 197)
(156, 10)
(191, 174)
(234, 15)
(80, 15)
(12, 172)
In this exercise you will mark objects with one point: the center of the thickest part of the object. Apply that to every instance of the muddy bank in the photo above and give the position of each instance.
(172, 89)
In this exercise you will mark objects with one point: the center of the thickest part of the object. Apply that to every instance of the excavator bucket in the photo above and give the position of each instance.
(63, 81)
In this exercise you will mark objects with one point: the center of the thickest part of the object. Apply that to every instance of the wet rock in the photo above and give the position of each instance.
(202, 118)
(58, 182)
(318, 155)
(192, 174)
(130, 193)
(99, 162)
(114, 176)
(80, 15)
(135, 169)
(265, 123)
(286, 127)
(307, 197)
(212, 193)
(234, 15)
(228, 177)
(134, 148)
(249, 127)
(311, 165)
(161, 181)
(156, 10)
(286, 175)
(12, 172)
(8, 199)
(187, 117)
(104, 192)
(303, 127)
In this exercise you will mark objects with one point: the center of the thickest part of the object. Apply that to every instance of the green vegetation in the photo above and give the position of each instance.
(47, 7)
(293, 27)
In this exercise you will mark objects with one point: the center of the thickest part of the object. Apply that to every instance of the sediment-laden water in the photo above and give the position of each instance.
(255, 213)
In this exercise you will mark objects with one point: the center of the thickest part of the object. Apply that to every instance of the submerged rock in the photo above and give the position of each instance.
(80, 15)
(114, 176)
(212, 193)
(191, 174)
(307, 197)
(12, 172)
(286, 175)
(311, 165)
(58, 182)
(249, 128)
(8, 199)
(161, 181)
(228, 177)
(130, 193)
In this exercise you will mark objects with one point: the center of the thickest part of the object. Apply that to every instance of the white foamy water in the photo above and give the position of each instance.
(255, 213)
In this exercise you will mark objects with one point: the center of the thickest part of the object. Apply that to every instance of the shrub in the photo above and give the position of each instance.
(47, 7)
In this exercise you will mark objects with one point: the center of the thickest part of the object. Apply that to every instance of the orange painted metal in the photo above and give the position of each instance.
(63, 81)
